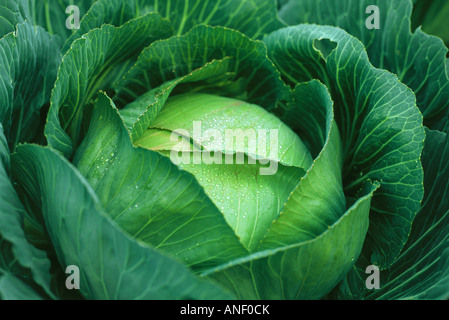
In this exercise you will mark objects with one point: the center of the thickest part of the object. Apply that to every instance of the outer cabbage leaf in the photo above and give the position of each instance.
(318, 199)
(89, 66)
(421, 271)
(415, 57)
(28, 65)
(13, 288)
(255, 18)
(112, 265)
(10, 16)
(303, 270)
(51, 14)
(432, 16)
(18, 258)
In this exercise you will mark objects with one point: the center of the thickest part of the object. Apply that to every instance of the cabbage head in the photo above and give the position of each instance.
(232, 149)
